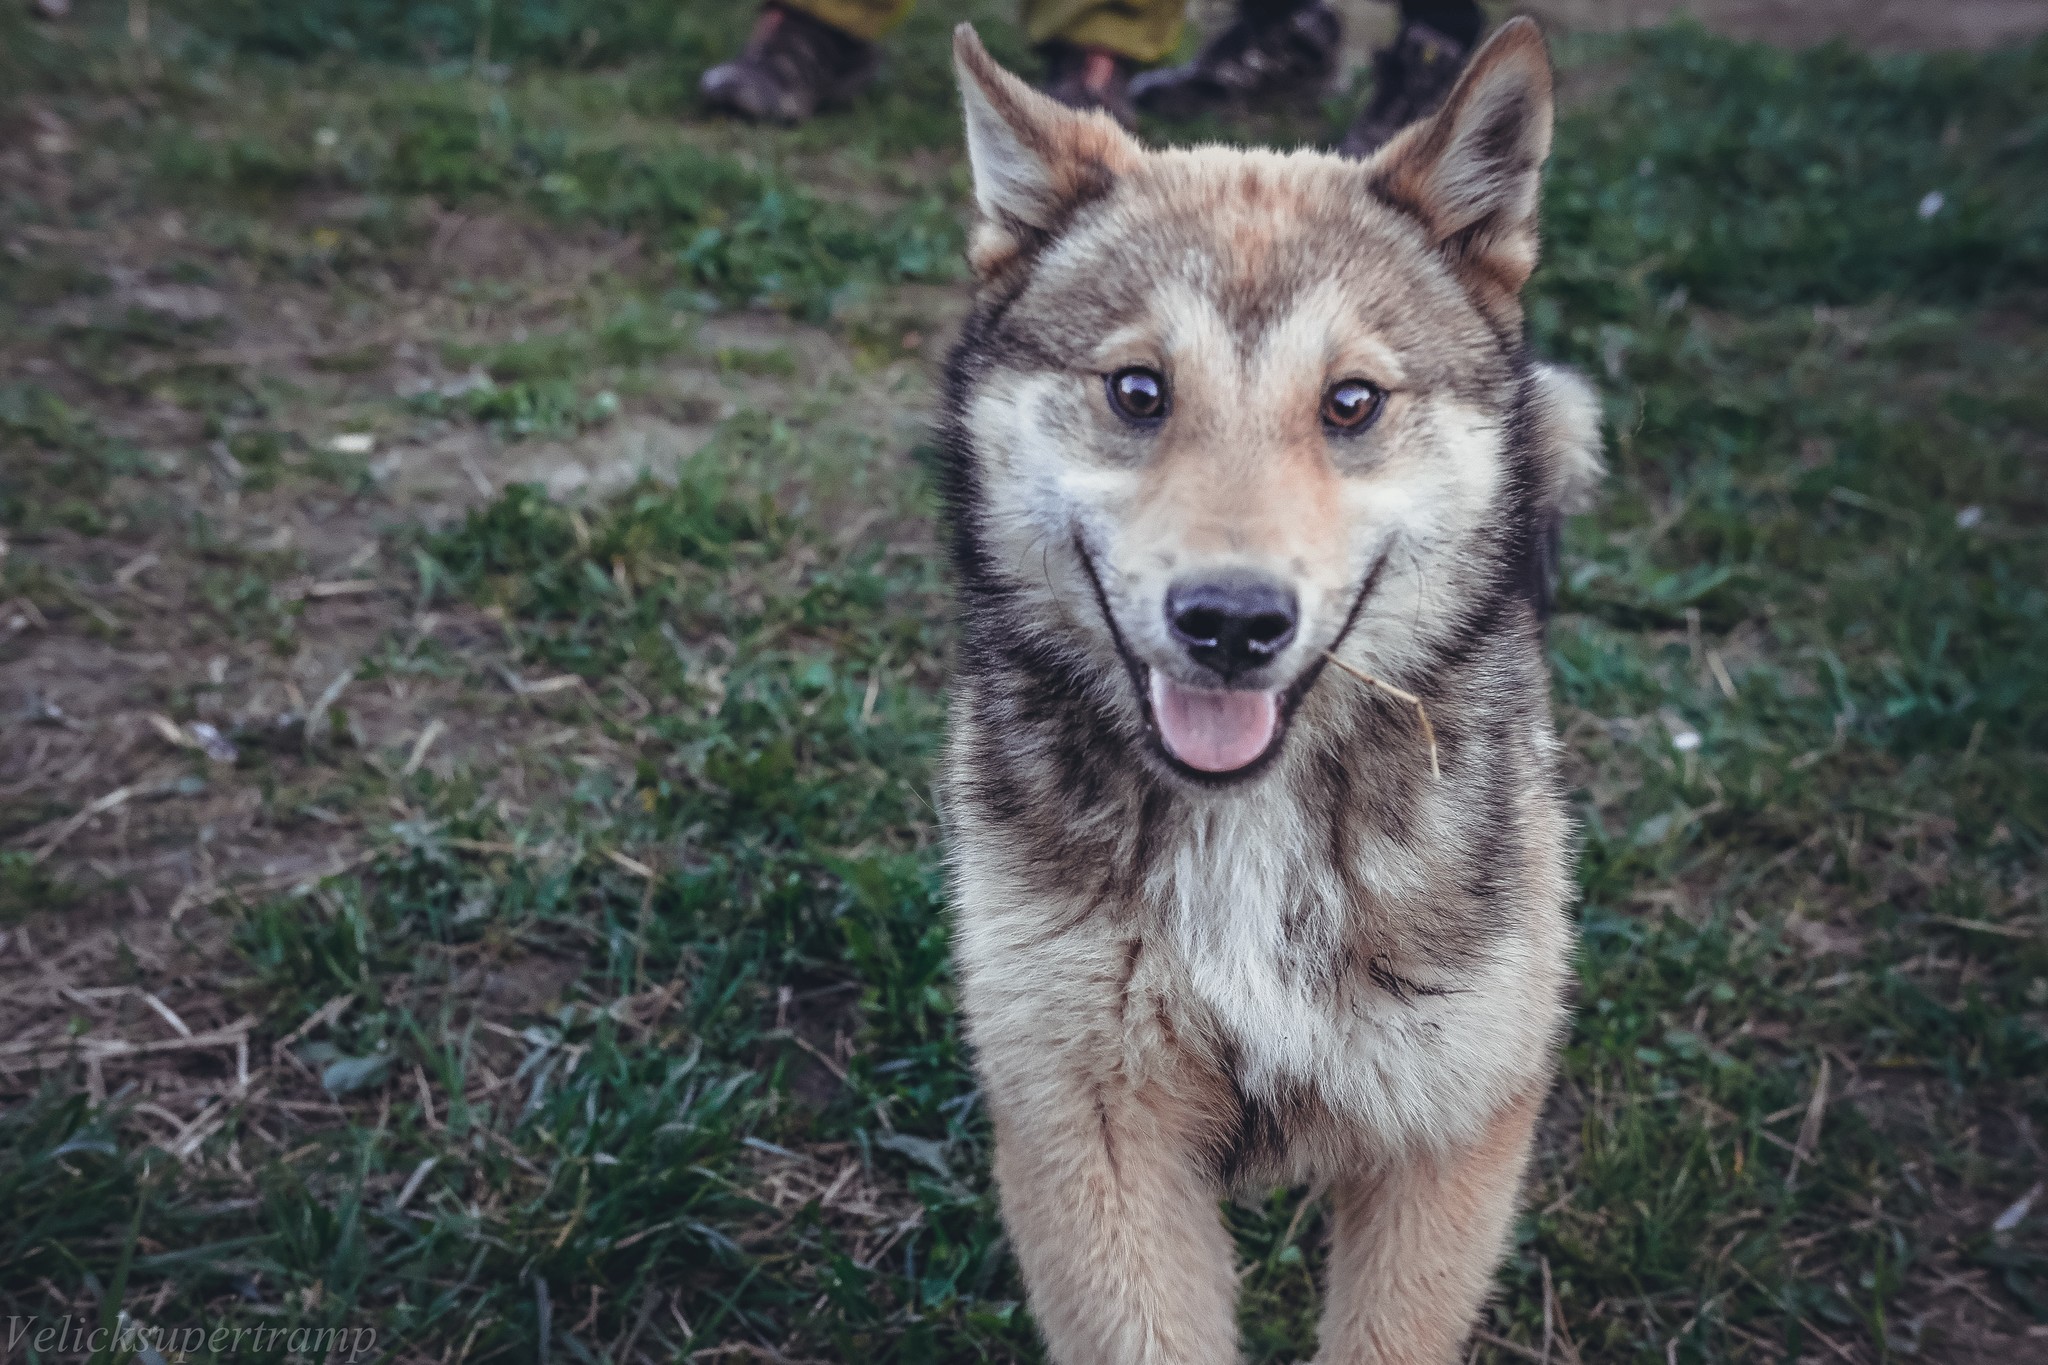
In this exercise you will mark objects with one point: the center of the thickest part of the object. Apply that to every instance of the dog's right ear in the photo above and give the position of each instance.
(1034, 160)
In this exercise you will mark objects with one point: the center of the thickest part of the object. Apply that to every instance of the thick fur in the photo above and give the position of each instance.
(1333, 967)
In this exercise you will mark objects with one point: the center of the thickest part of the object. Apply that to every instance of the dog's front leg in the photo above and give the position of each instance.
(1113, 1217)
(1415, 1245)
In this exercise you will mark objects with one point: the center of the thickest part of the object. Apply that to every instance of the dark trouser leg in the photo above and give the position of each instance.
(1270, 11)
(803, 53)
(1274, 51)
(1411, 78)
(1459, 19)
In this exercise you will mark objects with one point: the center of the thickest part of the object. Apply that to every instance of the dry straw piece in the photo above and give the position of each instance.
(1421, 711)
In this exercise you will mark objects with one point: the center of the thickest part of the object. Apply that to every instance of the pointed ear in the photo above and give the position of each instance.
(1034, 160)
(1471, 173)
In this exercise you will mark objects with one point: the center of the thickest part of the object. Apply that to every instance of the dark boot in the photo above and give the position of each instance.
(1409, 80)
(1263, 57)
(790, 66)
(1090, 78)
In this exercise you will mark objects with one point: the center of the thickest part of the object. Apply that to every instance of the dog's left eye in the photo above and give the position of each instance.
(1351, 404)
(1138, 393)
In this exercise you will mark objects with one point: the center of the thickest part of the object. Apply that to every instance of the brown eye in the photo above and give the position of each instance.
(1351, 404)
(1138, 393)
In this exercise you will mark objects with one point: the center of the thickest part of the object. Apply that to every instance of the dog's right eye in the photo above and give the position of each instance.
(1138, 393)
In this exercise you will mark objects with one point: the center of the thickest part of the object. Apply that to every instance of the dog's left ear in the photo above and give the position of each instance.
(1034, 160)
(1472, 172)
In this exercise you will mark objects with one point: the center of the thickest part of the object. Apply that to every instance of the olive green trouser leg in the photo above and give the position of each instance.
(864, 19)
(1143, 30)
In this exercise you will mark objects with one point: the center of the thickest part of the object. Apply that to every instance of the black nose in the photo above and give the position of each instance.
(1232, 625)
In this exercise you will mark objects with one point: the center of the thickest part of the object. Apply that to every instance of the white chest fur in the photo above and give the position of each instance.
(1256, 916)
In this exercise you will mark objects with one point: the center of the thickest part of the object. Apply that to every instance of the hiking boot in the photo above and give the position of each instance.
(791, 65)
(1259, 59)
(1090, 78)
(1409, 80)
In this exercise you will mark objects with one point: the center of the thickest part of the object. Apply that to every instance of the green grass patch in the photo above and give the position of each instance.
(731, 233)
(60, 468)
(1752, 177)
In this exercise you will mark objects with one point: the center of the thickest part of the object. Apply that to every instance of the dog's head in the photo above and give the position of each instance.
(1221, 411)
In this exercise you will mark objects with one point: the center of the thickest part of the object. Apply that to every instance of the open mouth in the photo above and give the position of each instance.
(1216, 734)
(1213, 732)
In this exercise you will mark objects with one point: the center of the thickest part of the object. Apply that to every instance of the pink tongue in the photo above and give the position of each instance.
(1213, 732)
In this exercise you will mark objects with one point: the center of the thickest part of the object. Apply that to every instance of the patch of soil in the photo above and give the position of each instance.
(504, 246)
(606, 460)
(122, 663)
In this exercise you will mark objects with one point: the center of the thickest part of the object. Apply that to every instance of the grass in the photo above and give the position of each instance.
(625, 1028)
(65, 465)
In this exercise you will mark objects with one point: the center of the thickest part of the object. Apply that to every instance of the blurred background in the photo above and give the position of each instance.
(472, 647)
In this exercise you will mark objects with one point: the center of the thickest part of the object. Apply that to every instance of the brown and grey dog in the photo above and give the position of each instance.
(1219, 414)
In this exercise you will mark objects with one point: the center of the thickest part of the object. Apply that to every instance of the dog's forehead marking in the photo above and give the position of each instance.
(1268, 264)
(1324, 335)
(1259, 229)
(1328, 331)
